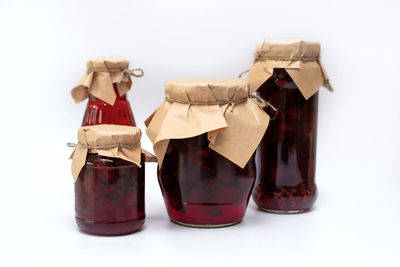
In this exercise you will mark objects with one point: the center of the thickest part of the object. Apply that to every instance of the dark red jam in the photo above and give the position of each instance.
(99, 112)
(109, 196)
(285, 158)
(202, 188)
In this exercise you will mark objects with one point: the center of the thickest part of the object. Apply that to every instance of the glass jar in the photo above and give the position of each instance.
(286, 156)
(106, 83)
(99, 112)
(109, 196)
(202, 188)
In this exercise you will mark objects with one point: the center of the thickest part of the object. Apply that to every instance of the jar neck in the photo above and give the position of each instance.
(281, 78)
(119, 97)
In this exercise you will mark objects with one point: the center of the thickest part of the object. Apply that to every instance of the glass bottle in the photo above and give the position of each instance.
(99, 112)
(202, 188)
(109, 196)
(286, 156)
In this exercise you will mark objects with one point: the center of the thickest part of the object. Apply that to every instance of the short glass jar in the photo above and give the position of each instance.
(109, 196)
(286, 156)
(109, 172)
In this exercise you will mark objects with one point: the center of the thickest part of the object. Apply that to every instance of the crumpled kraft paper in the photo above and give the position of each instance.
(299, 58)
(234, 123)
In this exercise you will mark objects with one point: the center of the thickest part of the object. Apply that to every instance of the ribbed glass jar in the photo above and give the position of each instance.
(286, 156)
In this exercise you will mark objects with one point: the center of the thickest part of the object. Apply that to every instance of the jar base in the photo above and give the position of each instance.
(285, 211)
(204, 225)
(110, 229)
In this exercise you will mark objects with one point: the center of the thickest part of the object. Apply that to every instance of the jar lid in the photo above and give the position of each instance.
(287, 49)
(223, 109)
(193, 91)
(299, 58)
(107, 64)
(100, 76)
(115, 141)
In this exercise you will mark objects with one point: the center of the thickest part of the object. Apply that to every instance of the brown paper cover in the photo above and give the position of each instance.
(100, 75)
(126, 140)
(234, 129)
(299, 58)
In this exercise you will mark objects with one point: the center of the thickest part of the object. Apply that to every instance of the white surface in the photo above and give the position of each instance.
(43, 49)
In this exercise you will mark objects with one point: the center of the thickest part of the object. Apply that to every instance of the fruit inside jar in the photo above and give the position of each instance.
(202, 188)
(109, 196)
(99, 112)
(286, 156)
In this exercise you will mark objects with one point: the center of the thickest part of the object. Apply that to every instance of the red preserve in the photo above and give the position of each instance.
(106, 84)
(286, 156)
(109, 188)
(99, 112)
(205, 134)
(201, 187)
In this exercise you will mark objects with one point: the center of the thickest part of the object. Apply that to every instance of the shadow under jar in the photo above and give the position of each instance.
(201, 188)
(286, 156)
(99, 112)
(109, 196)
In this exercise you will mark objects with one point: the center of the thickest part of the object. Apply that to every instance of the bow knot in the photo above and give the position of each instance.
(131, 72)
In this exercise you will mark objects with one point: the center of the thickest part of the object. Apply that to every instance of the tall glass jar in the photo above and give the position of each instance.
(288, 74)
(286, 156)
(106, 84)
(201, 187)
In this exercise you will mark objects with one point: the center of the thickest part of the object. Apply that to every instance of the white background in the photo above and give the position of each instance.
(44, 46)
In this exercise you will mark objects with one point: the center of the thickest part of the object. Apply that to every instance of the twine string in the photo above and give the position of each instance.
(264, 104)
(242, 73)
(124, 72)
(229, 102)
(148, 157)
(102, 146)
(258, 100)
(260, 57)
